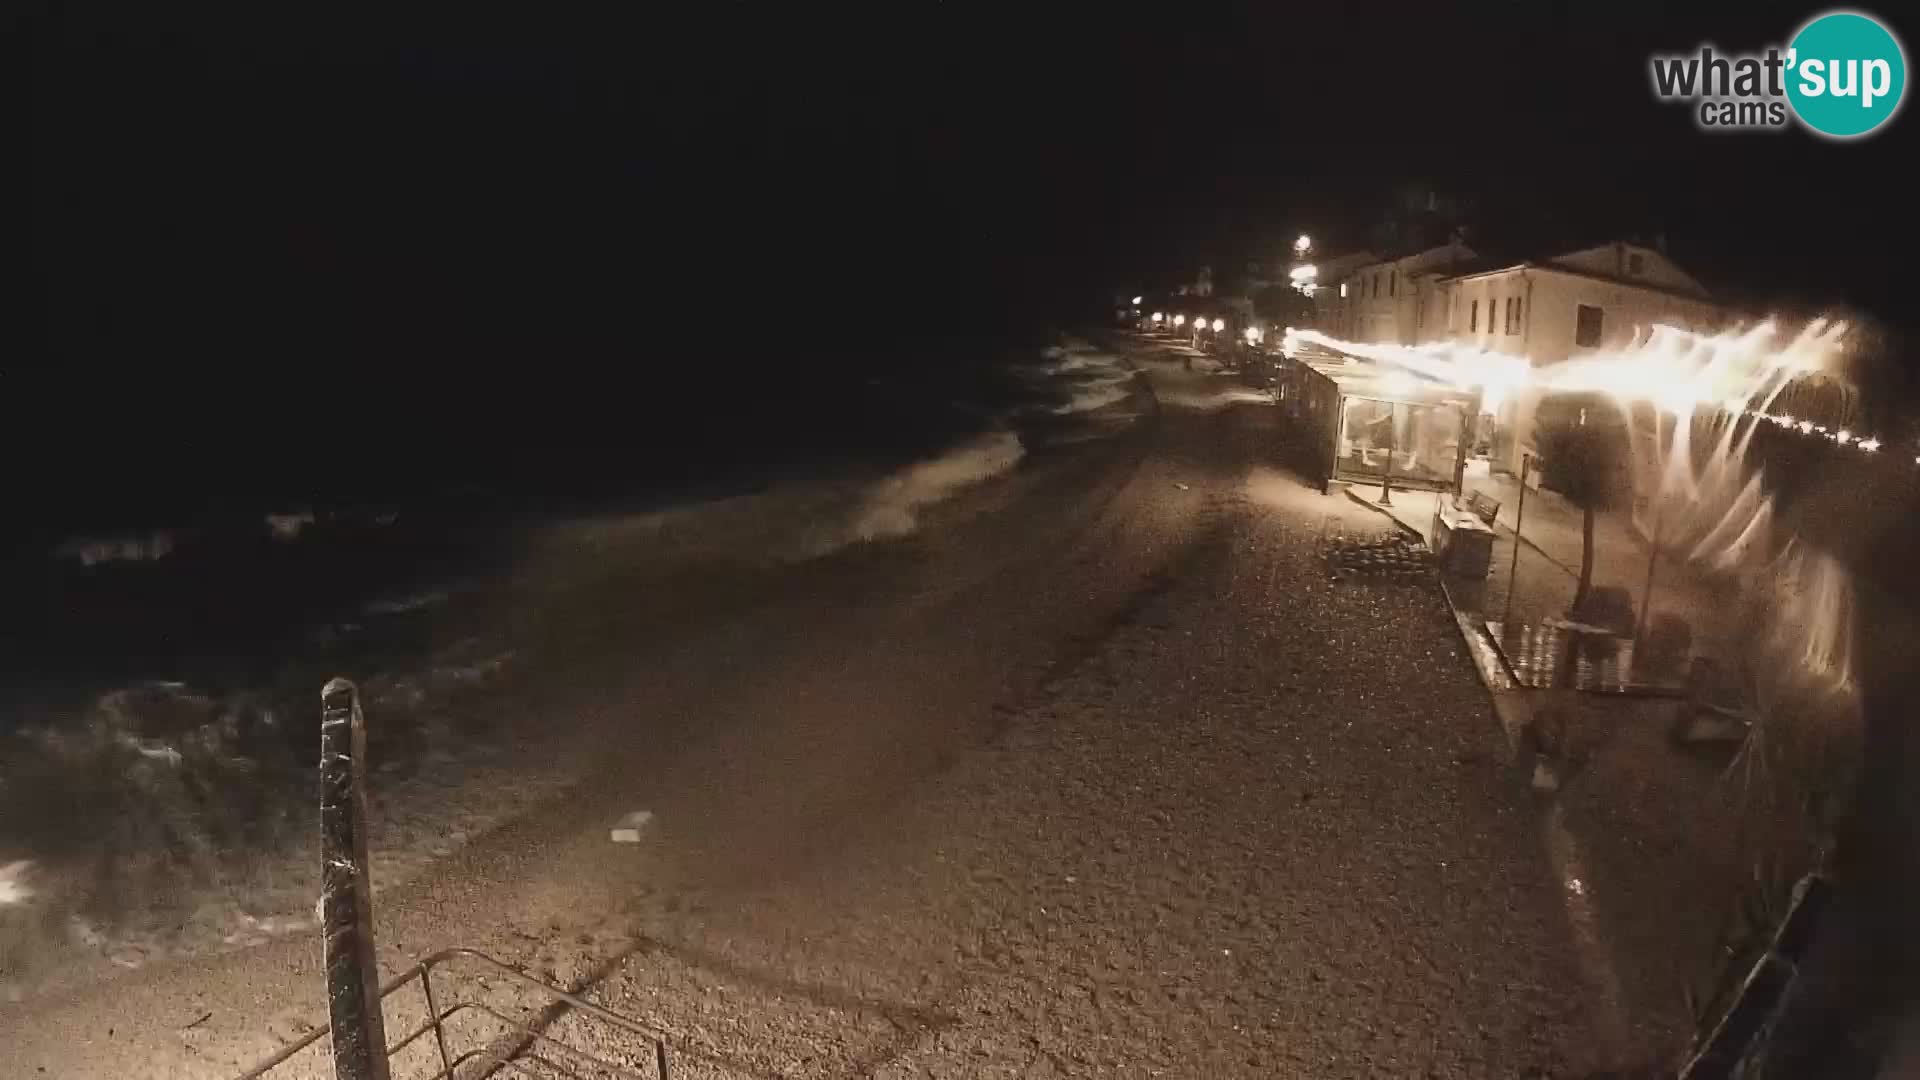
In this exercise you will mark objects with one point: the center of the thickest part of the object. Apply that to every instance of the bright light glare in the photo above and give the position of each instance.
(1137, 299)
(1714, 509)
(1179, 320)
(1304, 244)
(1304, 273)
(1219, 325)
(1676, 371)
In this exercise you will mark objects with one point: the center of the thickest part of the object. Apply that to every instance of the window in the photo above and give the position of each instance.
(1587, 325)
(1473, 317)
(1393, 277)
(1513, 315)
(1376, 284)
(1636, 265)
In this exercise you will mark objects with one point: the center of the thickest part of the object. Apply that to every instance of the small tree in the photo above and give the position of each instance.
(1581, 459)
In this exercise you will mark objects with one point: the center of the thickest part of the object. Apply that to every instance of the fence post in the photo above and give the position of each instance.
(346, 896)
(433, 1013)
(1386, 478)
(1513, 571)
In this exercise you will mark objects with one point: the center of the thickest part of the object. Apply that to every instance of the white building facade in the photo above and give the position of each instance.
(1546, 311)
(1379, 302)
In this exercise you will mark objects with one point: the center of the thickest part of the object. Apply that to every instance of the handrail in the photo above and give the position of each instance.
(437, 1019)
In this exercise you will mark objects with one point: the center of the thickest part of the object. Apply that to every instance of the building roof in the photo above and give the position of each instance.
(1338, 265)
(1483, 264)
(1415, 253)
(1611, 279)
(1563, 263)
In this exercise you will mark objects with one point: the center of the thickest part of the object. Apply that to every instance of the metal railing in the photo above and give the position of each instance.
(357, 1002)
(437, 1019)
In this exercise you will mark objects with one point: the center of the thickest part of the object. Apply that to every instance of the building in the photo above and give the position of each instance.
(1325, 289)
(1552, 309)
(1379, 302)
(1546, 310)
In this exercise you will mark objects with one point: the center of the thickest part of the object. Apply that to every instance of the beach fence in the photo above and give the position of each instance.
(451, 1032)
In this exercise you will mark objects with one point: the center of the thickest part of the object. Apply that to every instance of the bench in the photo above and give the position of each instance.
(1483, 508)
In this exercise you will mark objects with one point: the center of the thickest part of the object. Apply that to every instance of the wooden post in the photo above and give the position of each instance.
(346, 897)
(1386, 478)
(1469, 432)
(1513, 571)
(1646, 593)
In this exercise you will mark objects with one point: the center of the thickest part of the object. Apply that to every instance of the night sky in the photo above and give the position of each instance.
(501, 217)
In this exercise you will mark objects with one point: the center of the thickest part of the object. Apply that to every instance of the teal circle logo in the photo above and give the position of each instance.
(1846, 74)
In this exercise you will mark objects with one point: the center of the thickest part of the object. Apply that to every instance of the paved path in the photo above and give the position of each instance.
(1549, 566)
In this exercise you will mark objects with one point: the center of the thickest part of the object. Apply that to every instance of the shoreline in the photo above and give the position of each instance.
(446, 665)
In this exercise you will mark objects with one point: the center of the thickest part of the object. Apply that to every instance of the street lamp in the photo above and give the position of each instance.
(1303, 245)
(1219, 325)
(1137, 299)
(1179, 320)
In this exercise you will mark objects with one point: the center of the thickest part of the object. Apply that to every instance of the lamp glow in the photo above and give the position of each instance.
(1179, 320)
(1219, 325)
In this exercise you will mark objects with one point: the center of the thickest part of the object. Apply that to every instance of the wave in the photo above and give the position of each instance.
(126, 547)
(891, 507)
(1215, 401)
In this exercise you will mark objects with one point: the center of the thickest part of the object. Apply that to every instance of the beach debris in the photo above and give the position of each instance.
(628, 829)
(13, 886)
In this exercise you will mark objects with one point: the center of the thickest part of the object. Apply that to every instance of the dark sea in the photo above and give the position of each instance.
(182, 571)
